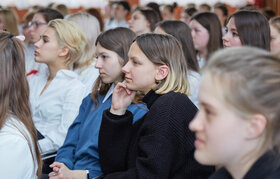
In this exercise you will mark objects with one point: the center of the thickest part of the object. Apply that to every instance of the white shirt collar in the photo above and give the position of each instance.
(109, 93)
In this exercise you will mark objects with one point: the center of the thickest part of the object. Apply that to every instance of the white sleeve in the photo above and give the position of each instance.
(55, 137)
(16, 160)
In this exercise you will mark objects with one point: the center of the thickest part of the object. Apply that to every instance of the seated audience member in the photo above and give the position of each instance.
(143, 20)
(167, 11)
(187, 14)
(204, 8)
(221, 11)
(207, 35)
(248, 28)
(55, 97)
(237, 127)
(79, 151)
(19, 153)
(121, 10)
(159, 145)
(84, 67)
(182, 32)
(36, 28)
(155, 6)
(9, 21)
(274, 24)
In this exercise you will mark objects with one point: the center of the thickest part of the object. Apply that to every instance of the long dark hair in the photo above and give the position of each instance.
(119, 41)
(14, 90)
(182, 32)
(253, 28)
(210, 21)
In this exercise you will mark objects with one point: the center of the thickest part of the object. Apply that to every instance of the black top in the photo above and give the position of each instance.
(266, 167)
(159, 145)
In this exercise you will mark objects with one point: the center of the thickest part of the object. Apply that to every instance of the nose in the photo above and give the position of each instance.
(37, 44)
(225, 37)
(125, 68)
(98, 64)
(196, 124)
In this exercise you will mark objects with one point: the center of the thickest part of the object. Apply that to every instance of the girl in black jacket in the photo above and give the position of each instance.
(159, 145)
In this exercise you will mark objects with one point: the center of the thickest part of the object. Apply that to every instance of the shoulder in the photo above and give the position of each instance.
(173, 98)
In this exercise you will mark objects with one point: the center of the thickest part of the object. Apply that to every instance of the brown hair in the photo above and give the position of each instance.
(117, 40)
(211, 22)
(14, 90)
(166, 50)
(10, 20)
(182, 32)
(248, 79)
(275, 22)
(253, 28)
(151, 16)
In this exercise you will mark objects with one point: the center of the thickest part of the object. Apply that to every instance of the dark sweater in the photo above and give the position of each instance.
(159, 145)
(266, 167)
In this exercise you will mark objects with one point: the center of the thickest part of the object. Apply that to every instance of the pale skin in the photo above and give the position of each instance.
(55, 60)
(135, 70)
(220, 132)
(108, 64)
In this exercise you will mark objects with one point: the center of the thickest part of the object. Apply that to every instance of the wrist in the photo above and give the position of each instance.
(117, 111)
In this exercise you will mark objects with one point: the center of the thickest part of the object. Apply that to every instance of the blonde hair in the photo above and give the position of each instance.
(91, 28)
(10, 20)
(166, 50)
(250, 81)
(70, 36)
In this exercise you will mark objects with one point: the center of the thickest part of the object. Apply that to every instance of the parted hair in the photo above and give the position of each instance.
(248, 80)
(166, 50)
(69, 35)
(14, 92)
(182, 32)
(210, 21)
(253, 28)
(117, 40)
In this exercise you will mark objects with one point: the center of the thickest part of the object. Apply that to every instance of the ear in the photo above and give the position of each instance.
(63, 52)
(256, 127)
(162, 72)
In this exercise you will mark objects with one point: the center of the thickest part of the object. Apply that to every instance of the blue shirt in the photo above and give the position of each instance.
(80, 148)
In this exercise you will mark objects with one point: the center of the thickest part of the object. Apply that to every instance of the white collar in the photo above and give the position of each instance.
(109, 93)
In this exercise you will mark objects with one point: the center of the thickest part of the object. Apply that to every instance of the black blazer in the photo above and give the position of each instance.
(159, 145)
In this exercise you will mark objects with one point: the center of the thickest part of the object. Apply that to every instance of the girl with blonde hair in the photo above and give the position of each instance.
(237, 126)
(55, 97)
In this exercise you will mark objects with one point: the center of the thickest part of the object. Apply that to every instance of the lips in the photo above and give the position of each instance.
(36, 53)
(199, 142)
(128, 79)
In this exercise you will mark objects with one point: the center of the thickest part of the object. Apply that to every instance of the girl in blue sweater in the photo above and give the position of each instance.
(78, 157)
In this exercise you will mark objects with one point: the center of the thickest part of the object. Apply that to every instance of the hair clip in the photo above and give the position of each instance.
(11, 36)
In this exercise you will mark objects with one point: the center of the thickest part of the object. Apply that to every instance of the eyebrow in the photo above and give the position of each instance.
(208, 106)
(44, 36)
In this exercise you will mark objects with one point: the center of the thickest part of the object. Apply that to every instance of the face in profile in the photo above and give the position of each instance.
(140, 72)
(219, 130)
(108, 64)
(275, 39)
(231, 38)
(138, 23)
(37, 26)
(47, 49)
(200, 35)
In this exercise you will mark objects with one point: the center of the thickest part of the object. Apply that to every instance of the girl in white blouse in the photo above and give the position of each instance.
(55, 97)
(19, 153)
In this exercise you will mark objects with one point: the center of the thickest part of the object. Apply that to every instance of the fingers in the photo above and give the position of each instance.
(57, 164)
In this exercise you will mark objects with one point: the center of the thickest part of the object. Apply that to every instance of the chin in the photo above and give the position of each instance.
(201, 158)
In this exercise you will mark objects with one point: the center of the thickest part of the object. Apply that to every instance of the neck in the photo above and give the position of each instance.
(202, 53)
(143, 32)
(239, 168)
(54, 68)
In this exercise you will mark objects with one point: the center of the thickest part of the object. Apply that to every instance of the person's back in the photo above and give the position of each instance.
(19, 152)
